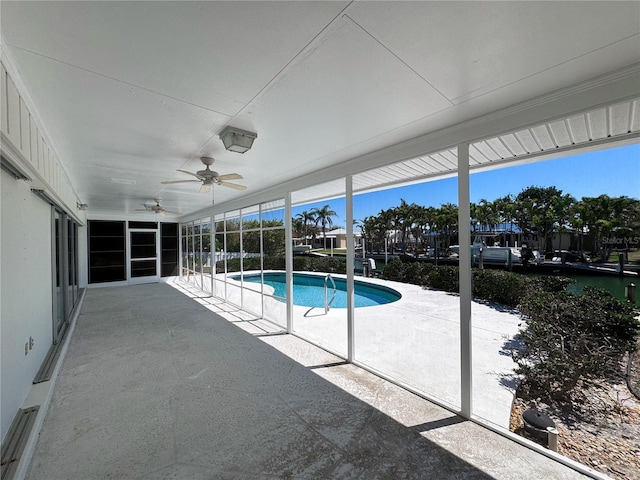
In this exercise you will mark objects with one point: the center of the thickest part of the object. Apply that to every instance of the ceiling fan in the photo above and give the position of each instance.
(208, 177)
(157, 209)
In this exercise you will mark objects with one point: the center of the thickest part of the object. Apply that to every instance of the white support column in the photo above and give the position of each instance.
(289, 259)
(350, 266)
(241, 263)
(464, 240)
(212, 251)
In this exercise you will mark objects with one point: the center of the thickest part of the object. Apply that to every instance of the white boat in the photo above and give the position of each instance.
(495, 254)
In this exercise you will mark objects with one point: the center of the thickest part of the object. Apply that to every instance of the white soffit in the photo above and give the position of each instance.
(324, 191)
(607, 124)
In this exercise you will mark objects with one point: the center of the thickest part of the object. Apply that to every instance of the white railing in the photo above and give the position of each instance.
(327, 304)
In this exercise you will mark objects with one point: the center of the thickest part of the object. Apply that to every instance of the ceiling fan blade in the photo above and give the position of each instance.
(169, 212)
(205, 188)
(190, 173)
(230, 176)
(179, 181)
(235, 186)
(141, 209)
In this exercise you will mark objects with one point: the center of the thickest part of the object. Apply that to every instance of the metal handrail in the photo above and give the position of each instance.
(327, 304)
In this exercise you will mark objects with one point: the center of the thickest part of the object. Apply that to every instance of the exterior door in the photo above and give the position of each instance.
(58, 274)
(143, 264)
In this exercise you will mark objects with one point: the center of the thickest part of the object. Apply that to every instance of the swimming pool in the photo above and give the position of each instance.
(308, 290)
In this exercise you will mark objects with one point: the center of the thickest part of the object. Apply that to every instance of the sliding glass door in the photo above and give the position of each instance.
(58, 256)
(64, 259)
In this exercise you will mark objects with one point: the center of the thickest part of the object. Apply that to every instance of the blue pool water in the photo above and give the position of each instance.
(308, 290)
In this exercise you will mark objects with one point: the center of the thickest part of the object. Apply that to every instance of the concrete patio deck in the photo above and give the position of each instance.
(158, 383)
(415, 340)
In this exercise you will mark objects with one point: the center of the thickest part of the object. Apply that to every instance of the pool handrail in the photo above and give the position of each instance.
(327, 304)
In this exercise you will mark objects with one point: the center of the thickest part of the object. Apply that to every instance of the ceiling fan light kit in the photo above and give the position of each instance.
(206, 185)
(236, 140)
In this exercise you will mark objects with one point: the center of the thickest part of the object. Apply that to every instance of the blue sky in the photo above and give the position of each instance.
(614, 172)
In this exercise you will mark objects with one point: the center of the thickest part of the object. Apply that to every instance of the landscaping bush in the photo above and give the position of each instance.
(233, 265)
(506, 288)
(394, 271)
(407, 272)
(570, 340)
(444, 278)
(303, 263)
(328, 264)
(272, 262)
(251, 263)
(500, 286)
(549, 283)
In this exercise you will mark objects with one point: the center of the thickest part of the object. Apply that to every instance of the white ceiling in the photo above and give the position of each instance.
(135, 90)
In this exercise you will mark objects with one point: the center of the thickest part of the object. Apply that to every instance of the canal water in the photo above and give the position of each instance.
(611, 283)
(615, 285)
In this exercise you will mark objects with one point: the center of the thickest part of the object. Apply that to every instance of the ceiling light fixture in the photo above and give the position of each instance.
(236, 140)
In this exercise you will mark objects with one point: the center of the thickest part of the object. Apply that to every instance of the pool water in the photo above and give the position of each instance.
(308, 290)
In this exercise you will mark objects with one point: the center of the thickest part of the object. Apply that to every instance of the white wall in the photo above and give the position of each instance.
(25, 292)
(25, 143)
(83, 257)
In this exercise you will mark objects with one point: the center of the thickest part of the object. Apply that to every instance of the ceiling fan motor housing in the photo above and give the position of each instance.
(207, 173)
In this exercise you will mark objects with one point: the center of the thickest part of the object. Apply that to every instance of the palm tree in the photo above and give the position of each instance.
(298, 226)
(373, 231)
(386, 221)
(486, 215)
(447, 221)
(563, 206)
(597, 220)
(419, 228)
(306, 218)
(428, 224)
(405, 215)
(323, 216)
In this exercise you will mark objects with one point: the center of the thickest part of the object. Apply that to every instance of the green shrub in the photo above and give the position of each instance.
(570, 340)
(304, 263)
(500, 286)
(273, 262)
(407, 272)
(251, 263)
(549, 283)
(445, 278)
(509, 288)
(417, 273)
(394, 271)
(328, 264)
(301, 263)
(233, 265)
